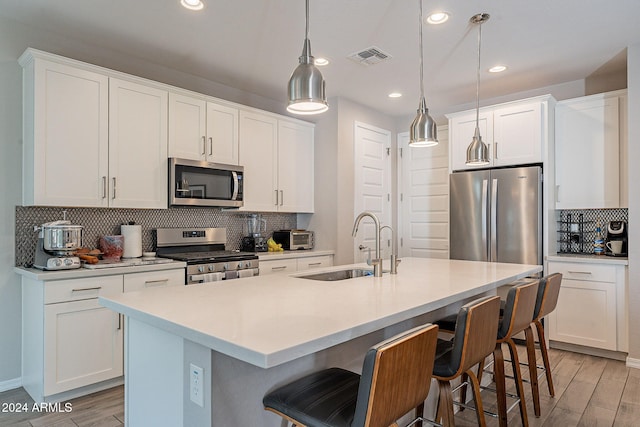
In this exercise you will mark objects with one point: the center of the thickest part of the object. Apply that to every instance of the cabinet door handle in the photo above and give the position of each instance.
(276, 197)
(204, 145)
(97, 288)
(579, 272)
(119, 321)
(557, 193)
(210, 146)
(113, 180)
(282, 267)
(155, 282)
(104, 187)
(281, 197)
(495, 150)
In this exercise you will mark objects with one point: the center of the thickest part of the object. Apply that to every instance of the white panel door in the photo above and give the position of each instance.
(372, 187)
(424, 198)
(295, 167)
(137, 145)
(82, 345)
(70, 137)
(258, 155)
(187, 127)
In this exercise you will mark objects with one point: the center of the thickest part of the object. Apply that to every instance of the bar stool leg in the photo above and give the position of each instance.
(477, 399)
(445, 404)
(419, 413)
(545, 356)
(501, 390)
(518, 380)
(533, 370)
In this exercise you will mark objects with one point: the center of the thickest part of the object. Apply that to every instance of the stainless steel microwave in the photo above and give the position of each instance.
(199, 183)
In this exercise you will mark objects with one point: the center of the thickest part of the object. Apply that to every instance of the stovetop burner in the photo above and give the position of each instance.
(210, 256)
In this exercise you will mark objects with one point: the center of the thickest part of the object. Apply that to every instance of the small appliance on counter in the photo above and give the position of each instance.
(617, 241)
(57, 242)
(255, 241)
(292, 240)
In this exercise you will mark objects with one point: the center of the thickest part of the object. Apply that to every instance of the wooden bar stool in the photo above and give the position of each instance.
(396, 376)
(546, 301)
(474, 339)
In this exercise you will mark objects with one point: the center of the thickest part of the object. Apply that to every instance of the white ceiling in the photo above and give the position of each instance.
(254, 45)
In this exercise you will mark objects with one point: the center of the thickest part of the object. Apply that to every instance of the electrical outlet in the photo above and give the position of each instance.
(196, 384)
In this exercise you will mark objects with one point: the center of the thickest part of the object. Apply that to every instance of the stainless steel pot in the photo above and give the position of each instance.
(61, 236)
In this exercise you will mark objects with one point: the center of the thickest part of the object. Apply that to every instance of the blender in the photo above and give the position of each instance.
(255, 241)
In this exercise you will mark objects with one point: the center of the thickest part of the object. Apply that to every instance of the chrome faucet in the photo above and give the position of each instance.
(394, 250)
(377, 262)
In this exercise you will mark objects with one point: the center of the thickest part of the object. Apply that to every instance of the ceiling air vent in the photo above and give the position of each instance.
(370, 56)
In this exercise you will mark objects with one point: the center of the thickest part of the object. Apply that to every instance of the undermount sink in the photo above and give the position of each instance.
(331, 276)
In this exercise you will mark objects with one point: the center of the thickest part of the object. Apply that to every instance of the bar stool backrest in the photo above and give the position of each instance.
(475, 334)
(396, 376)
(547, 295)
(518, 310)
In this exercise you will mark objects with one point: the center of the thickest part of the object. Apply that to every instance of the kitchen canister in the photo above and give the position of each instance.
(132, 240)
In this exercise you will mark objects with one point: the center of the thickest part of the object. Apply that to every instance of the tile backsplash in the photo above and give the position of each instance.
(582, 241)
(102, 221)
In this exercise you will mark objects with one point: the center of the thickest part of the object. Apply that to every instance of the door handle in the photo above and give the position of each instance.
(104, 187)
(281, 197)
(276, 197)
(210, 146)
(494, 220)
(204, 146)
(113, 180)
(484, 208)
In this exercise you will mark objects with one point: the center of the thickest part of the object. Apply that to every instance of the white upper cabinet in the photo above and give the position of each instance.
(588, 135)
(277, 156)
(137, 145)
(91, 140)
(202, 130)
(515, 132)
(66, 135)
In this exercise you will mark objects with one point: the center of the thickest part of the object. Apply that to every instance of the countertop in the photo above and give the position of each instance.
(588, 258)
(269, 256)
(272, 319)
(78, 273)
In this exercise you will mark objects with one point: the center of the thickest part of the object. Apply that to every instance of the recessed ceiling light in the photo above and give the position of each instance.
(192, 4)
(497, 69)
(437, 18)
(394, 95)
(321, 62)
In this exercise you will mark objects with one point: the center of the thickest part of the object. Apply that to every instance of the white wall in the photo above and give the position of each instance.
(334, 149)
(633, 84)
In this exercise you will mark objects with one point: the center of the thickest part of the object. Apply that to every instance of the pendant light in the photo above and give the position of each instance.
(478, 152)
(306, 86)
(422, 132)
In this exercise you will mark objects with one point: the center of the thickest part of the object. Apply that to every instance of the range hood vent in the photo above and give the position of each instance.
(370, 56)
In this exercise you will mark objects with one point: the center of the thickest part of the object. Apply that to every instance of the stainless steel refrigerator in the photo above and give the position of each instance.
(496, 215)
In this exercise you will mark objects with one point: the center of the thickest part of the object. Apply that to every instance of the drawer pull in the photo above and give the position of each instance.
(97, 288)
(155, 282)
(282, 267)
(311, 264)
(580, 272)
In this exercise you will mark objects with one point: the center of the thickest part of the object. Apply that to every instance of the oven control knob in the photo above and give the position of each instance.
(225, 267)
(68, 262)
(212, 268)
(57, 262)
(240, 265)
(201, 269)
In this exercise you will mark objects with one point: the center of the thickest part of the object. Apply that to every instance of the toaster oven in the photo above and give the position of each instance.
(294, 239)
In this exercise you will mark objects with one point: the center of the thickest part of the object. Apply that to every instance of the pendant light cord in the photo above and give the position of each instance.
(421, 53)
(478, 77)
(306, 32)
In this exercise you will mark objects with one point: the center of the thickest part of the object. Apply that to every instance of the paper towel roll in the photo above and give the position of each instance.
(132, 241)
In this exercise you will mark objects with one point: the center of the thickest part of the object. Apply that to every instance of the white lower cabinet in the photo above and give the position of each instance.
(591, 308)
(71, 345)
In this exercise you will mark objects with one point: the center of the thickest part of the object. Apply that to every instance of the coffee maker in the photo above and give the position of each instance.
(255, 241)
(616, 242)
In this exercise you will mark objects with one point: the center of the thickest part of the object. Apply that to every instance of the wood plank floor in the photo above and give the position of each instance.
(590, 391)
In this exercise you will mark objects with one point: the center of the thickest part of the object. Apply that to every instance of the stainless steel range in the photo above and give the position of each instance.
(203, 249)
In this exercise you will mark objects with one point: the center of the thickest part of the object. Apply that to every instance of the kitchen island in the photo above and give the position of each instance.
(251, 335)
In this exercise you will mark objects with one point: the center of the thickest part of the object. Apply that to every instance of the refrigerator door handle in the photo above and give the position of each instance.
(494, 220)
(484, 210)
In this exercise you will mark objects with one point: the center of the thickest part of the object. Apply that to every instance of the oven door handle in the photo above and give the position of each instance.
(236, 184)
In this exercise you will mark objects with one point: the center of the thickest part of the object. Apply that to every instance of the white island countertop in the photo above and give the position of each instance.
(269, 320)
